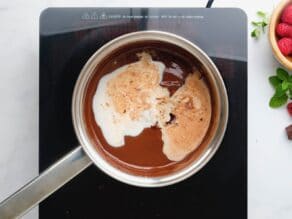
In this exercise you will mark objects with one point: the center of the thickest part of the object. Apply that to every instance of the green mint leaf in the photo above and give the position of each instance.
(280, 91)
(276, 102)
(285, 85)
(290, 93)
(257, 24)
(260, 25)
(262, 14)
(282, 74)
(290, 78)
(275, 81)
(255, 33)
(264, 24)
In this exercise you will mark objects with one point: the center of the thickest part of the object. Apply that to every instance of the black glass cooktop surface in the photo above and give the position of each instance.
(68, 37)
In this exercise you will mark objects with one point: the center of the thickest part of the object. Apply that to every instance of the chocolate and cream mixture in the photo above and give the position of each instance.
(132, 98)
(126, 99)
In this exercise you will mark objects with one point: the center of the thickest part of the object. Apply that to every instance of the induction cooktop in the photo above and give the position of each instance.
(68, 37)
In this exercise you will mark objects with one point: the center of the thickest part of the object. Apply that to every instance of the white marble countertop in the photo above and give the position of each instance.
(269, 151)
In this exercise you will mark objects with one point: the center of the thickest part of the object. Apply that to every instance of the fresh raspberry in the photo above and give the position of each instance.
(289, 132)
(284, 30)
(289, 108)
(287, 14)
(285, 46)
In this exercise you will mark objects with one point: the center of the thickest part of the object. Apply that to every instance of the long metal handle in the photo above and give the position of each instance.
(45, 184)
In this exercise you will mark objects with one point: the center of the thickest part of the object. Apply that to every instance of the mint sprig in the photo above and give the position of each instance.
(282, 83)
(259, 25)
(276, 102)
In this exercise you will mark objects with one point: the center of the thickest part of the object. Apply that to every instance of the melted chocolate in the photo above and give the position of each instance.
(142, 155)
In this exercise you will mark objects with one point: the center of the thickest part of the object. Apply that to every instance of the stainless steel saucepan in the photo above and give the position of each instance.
(81, 157)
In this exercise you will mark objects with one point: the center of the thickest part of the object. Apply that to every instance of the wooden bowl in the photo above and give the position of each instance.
(274, 20)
